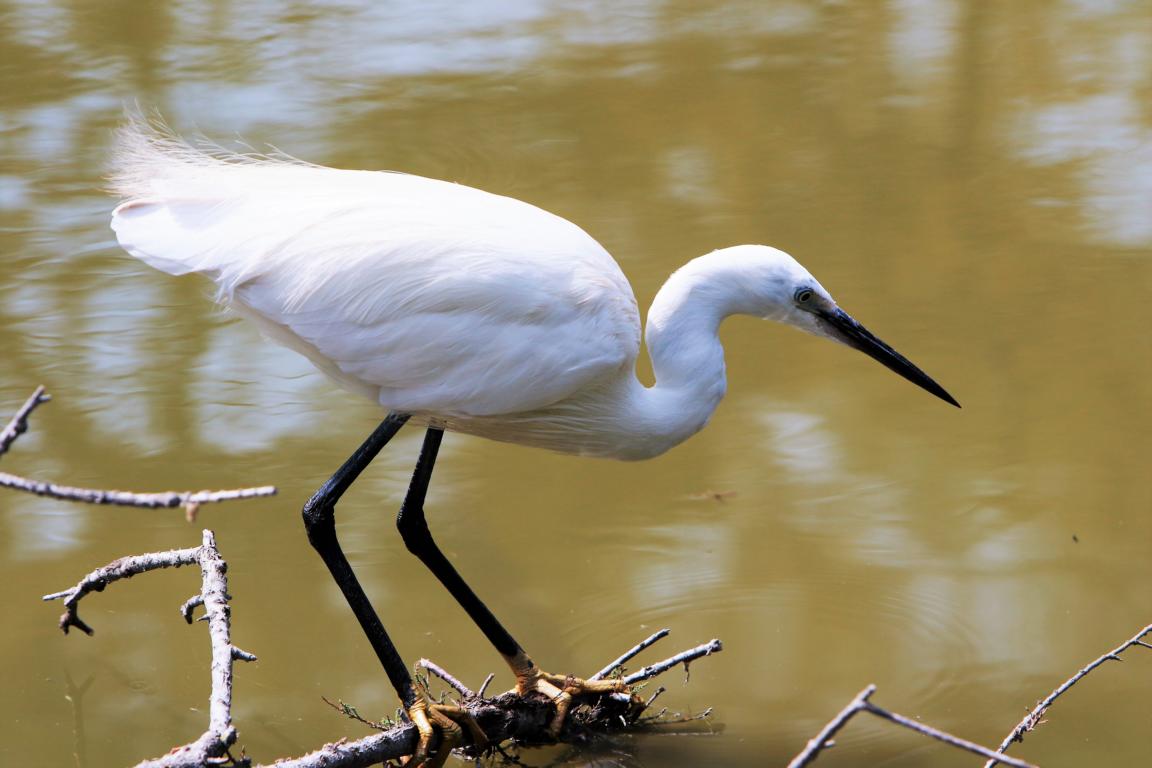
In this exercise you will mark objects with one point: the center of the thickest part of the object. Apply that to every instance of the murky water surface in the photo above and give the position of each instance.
(971, 179)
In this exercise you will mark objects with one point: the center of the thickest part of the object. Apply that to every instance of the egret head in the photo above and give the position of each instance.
(783, 290)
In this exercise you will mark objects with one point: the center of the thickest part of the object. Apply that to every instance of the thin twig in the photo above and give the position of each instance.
(658, 723)
(484, 685)
(447, 677)
(18, 425)
(123, 568)
(624, 657)
(351, 712)
(190, 500)
(939, 735)
(1034, 718)
(164, 499)
(190, 605)
(860, 703)
(707, 649)
(655, 695)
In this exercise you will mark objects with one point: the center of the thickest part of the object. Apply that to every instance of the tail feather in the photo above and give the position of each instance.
(150, 160)
(147, 154)
(180, 199)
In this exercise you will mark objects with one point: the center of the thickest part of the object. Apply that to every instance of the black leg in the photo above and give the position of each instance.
(320, 522)
(529, 678)
(414, 529)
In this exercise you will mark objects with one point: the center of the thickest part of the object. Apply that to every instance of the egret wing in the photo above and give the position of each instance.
(431, 297)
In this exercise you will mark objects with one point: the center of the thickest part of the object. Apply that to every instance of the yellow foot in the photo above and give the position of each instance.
(450, 720)
(561, 689)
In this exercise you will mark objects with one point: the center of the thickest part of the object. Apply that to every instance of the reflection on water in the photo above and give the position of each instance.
(971, 179)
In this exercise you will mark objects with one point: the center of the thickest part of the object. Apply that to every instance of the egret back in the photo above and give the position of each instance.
(431, 297)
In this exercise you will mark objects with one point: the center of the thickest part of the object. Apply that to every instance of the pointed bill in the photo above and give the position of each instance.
(839, 325)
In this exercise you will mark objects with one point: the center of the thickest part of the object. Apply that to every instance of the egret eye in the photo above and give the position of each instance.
(803, 295)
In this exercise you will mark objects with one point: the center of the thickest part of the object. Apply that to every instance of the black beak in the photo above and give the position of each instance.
(840, 325)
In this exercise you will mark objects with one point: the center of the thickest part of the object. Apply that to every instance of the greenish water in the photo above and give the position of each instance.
(971, 180)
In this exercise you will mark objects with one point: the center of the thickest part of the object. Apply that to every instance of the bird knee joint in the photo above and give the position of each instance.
(318, 519)
(413, 530)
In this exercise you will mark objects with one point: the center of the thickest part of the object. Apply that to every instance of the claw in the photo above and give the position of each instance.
(450, 720)
(418, 714)
(561, 689)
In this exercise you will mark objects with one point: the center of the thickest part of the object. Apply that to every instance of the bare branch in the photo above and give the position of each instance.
(372, 750)
(212, 746)
(824, 738)
(123, 568)
(707, 649)
(1034, 717)
(484, 685)
(655, 695)
(190, 605)
(861, 703)
(624, 657)
(165, 499)
(444, 675)
(190, 500)
(939, 735)
(239, 654)
(221, 734)
(19, 423)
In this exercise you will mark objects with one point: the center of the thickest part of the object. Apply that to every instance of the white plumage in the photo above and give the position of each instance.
(468, 310)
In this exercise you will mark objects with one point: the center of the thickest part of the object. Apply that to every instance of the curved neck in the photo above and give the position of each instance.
(685, 350)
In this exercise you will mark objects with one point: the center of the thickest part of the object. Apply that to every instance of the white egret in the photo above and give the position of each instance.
(458, 310)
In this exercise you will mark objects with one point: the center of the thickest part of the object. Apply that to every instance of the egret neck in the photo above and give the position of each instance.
(682, 336)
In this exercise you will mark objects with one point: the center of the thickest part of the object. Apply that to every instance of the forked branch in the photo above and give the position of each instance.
(1034, 717)
(213, 745)
(861, 703)
(123, 568)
